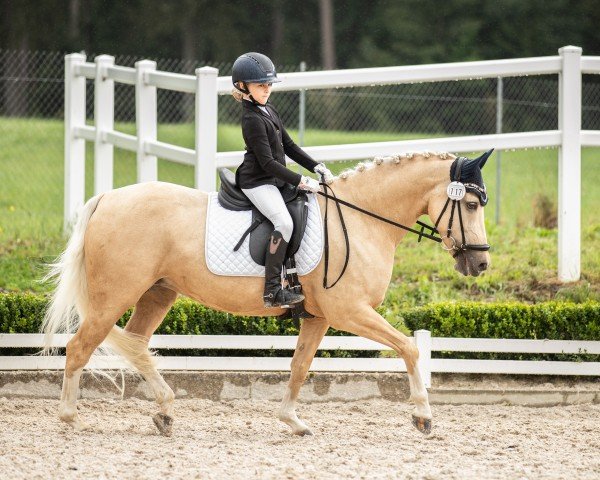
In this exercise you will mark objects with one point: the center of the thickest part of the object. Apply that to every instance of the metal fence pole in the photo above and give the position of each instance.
(423, 343)
(569, 165)
(146, 121)
(302, 119)
(499, 113)
(206, 128)
(74, 147)
(104, 101)
(301, 115)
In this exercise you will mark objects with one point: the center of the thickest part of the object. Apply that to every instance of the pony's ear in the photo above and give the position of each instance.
(483, 158)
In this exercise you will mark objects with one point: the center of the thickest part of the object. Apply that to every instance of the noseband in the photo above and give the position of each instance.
(456, 191)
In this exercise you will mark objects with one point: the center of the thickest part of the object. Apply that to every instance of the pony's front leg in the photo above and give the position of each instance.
(418, 394)
(367, 323)
(311, 334)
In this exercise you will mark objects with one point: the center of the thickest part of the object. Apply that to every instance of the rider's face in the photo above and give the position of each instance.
(260, 91)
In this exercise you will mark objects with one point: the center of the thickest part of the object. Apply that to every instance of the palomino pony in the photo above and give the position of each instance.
(143, 245)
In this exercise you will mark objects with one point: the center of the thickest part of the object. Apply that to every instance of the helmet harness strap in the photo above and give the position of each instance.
(246, 91)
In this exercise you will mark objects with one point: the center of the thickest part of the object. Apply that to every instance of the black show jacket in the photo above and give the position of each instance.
(267, 143)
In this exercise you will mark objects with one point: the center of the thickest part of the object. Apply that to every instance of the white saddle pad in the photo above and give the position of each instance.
(224, 228)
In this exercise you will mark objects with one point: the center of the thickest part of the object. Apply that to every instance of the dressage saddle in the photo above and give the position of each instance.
(231, 197)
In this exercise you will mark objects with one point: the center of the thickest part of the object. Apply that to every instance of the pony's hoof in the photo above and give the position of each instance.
(164, 423)
(423, 425)
(76, 423)
(304, 433)
(81, 426)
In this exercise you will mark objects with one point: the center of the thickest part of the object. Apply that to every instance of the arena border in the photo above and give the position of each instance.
(451, 389)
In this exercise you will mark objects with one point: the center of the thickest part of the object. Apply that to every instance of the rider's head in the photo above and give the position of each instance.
(252, 76)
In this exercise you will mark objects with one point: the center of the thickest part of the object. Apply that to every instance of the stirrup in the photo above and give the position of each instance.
(282, 298)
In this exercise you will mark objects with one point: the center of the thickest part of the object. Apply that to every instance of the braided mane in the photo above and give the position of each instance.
(392, 159)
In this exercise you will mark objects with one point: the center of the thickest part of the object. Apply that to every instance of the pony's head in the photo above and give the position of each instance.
(457, 210)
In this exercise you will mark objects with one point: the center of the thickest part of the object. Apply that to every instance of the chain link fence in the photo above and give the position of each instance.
(31, 128)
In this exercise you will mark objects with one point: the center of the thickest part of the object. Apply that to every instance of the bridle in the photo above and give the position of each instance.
(458, 192)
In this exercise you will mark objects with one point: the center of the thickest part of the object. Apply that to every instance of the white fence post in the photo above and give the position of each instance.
(146, 121)
(569, 165)
(206, 128)
(423, 343)
(74, 147)
(104, 101)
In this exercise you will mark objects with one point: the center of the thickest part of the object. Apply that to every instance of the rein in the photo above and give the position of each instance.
(421, 233)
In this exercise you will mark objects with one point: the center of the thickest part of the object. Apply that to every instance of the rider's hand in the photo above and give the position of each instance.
(310, 184)
(321, 169)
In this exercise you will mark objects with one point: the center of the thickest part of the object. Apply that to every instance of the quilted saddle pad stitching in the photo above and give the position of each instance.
(225, 227)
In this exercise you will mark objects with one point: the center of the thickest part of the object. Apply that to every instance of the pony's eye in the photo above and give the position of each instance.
(472, 205)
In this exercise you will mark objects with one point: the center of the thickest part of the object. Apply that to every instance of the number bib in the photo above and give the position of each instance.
(456, 191)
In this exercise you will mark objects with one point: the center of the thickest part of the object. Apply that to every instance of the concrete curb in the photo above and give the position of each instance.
(527, 390)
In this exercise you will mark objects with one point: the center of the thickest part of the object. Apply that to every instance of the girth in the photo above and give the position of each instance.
(232, 197)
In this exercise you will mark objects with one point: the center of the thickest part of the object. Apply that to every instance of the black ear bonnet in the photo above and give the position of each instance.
(468, 172)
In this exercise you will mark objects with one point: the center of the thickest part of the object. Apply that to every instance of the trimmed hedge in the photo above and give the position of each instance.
(548, 320)
(22, 313)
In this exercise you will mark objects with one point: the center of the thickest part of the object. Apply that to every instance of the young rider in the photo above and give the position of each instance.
(263, 171)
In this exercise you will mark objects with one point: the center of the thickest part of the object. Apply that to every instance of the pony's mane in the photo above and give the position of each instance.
(392, 159)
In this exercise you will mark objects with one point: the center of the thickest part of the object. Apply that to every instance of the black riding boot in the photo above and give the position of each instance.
(275, 295)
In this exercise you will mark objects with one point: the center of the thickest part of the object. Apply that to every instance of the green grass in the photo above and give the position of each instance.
(524, 258)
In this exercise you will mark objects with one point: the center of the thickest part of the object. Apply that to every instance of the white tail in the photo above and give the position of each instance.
(68, 305)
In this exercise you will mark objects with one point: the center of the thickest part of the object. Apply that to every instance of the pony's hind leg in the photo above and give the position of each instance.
(148, 314)
(311, 334)
(79, 349)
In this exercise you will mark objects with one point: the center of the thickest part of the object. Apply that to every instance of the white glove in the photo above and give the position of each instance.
(323, 170)
(310, 184)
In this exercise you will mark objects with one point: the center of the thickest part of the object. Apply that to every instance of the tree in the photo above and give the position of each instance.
(327, 35)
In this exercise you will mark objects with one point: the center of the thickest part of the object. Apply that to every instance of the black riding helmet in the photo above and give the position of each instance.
(253, 67)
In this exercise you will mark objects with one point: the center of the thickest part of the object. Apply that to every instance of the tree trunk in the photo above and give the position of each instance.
(190, 55)
(74, 21)
(327, 34)
(17, 63)
(278, 31)
(330, 100)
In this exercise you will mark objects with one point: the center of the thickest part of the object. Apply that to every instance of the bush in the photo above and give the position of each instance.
(544, 212)
(22, 313)
(548, 320)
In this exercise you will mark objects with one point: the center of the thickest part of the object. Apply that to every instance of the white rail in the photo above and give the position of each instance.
(360, 77)
(358, 151)
(569, 65)
(422, 338)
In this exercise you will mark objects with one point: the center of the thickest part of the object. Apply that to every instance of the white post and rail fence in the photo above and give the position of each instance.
(206, 85)
(422, 338)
